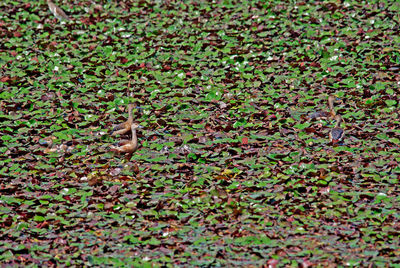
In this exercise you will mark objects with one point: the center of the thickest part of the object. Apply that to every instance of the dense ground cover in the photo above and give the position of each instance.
(230, 170)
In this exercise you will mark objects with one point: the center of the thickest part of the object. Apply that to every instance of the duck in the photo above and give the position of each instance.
(57, 11)
(337, 133)
(51, 147)
(124, 128)
(325, 114)
(128, 146)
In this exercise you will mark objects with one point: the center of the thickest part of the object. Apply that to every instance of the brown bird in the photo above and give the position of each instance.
(337, 133)
(57, 11)
(128, 146)
(325, 114)
(51, 147)
(124, 128)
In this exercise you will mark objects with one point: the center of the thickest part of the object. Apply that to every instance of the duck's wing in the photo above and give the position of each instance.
(127, 148)
(61, 14)
(58, 12)
(124, 142)
(319, 115)
(336, 135)
(120, 129)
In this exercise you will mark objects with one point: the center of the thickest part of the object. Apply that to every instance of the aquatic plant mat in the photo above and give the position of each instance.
(230, 171)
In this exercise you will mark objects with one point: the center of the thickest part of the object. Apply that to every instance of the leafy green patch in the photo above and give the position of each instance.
(231, 170)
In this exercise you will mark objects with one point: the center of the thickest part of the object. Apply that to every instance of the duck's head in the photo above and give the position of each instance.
(135, 126)
(130, 107)
(333, 97)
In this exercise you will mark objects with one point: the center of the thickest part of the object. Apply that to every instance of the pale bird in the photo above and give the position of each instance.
(57, 11)
(124, 128)
(325, 114)
(337, 133)
(51, 147)
(128, 146)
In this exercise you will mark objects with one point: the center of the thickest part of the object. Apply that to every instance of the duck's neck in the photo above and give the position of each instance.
(330, 103)
(130, 115)
(134, 136)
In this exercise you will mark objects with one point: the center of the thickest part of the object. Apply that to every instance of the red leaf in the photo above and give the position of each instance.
(85, 20)
(272, 263)
(315, 64)
(41, 225)
(272, 117)
(5, 79)
(245, 140)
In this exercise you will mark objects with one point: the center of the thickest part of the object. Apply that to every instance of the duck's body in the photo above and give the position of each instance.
(320, 115)
(125, 127)
(57, 11)
(128, 146)
(337, 133)
(325, 114)
(51, 147)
